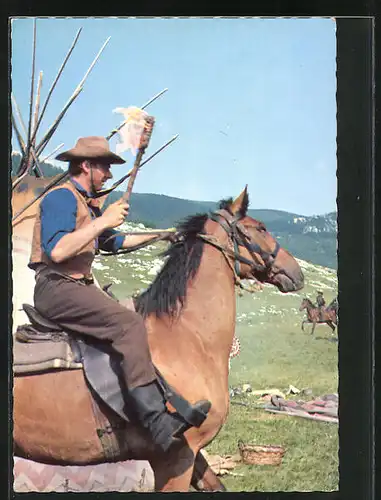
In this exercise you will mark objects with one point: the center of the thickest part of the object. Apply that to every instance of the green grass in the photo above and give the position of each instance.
(309, 464)
(274, 354)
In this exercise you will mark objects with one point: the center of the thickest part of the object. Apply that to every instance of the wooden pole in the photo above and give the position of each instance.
(75, 94)
(122, 179)
(24, 163)
(55, 83)
(144, 140)
(36, 109)
(35, 118)
(52, 153)
(18, 135)
(28, 144)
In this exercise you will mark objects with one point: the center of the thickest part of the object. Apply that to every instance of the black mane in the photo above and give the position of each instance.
(167, 293)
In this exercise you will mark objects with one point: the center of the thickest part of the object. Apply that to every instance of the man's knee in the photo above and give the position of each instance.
(128, 323)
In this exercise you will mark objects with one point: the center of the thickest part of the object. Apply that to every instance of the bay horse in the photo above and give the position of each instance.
(190, 314)
(328, 314)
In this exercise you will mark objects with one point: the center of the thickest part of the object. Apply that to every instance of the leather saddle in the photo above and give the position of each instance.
(102, 369)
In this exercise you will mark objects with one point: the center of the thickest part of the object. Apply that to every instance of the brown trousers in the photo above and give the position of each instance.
(87, 310)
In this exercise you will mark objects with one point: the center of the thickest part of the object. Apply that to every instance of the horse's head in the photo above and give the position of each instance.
(304, 304)
(259, 255)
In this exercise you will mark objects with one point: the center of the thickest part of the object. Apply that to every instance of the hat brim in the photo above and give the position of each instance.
(111, 158)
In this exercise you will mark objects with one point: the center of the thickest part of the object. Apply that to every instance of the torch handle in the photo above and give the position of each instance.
(134, 172)
(144, 141)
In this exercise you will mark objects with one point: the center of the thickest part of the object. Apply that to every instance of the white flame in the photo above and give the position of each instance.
(130, 133)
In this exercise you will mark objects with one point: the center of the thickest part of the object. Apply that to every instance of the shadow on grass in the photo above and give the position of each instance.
(328, 339)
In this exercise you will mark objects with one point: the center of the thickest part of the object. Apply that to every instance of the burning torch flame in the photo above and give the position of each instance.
(129, 134)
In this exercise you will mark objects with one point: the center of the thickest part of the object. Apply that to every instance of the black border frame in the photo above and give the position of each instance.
(356, 267)
(356, 216)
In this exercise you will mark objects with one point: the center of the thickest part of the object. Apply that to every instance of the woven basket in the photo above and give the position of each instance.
(261, 454)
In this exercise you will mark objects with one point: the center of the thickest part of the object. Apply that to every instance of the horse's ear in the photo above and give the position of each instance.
(240, 204)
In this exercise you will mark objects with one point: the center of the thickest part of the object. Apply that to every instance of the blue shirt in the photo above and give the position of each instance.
(59, 215)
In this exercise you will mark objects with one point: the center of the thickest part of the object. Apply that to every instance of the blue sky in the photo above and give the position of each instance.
(253, 101)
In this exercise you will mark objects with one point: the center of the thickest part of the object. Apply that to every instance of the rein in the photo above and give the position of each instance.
(232, 227)
(227, 253)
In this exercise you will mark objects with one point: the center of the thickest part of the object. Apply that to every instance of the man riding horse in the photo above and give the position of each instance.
(320, 303)
(68, 231)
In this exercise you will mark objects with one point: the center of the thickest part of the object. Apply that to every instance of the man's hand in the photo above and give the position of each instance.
(170, 236)
(115, 214)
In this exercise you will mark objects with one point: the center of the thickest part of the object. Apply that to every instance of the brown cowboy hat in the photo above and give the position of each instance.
(91, 148)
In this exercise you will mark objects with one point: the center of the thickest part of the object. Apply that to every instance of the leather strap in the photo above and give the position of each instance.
(107, 430)
(180, 404)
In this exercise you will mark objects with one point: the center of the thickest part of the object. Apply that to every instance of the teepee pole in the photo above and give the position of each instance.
(55, 83)
(48, 135)
(23, 128)
(27, 160)
(20, 140)
(107, 191)
(24, 164)
(35, 118)
(41, 146)
(36, 109)
(52, 153)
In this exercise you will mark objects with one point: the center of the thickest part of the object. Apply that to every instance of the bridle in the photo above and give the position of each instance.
(239, 236)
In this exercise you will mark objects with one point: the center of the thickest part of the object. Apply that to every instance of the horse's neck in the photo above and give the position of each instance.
(213, 292)
(211, 297)
(207, 321)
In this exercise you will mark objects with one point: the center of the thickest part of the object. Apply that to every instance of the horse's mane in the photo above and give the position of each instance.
(309, 301)
(167, 293)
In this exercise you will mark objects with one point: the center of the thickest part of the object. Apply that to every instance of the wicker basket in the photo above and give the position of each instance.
(261, 454)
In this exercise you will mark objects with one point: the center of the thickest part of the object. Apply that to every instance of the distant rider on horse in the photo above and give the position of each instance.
(69, 229)
(320, 303)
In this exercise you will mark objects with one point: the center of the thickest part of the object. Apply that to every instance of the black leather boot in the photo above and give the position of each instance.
(149, 407)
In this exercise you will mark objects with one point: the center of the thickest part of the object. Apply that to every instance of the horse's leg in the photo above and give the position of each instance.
(203, 478)
(313, 327)
(331, 325)
(173, 470)
(303, 325)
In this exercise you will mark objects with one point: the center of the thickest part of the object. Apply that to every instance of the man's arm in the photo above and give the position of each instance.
(111, 240)
(132, 240)
(70, 243)
(58, 217)
(59, 238)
